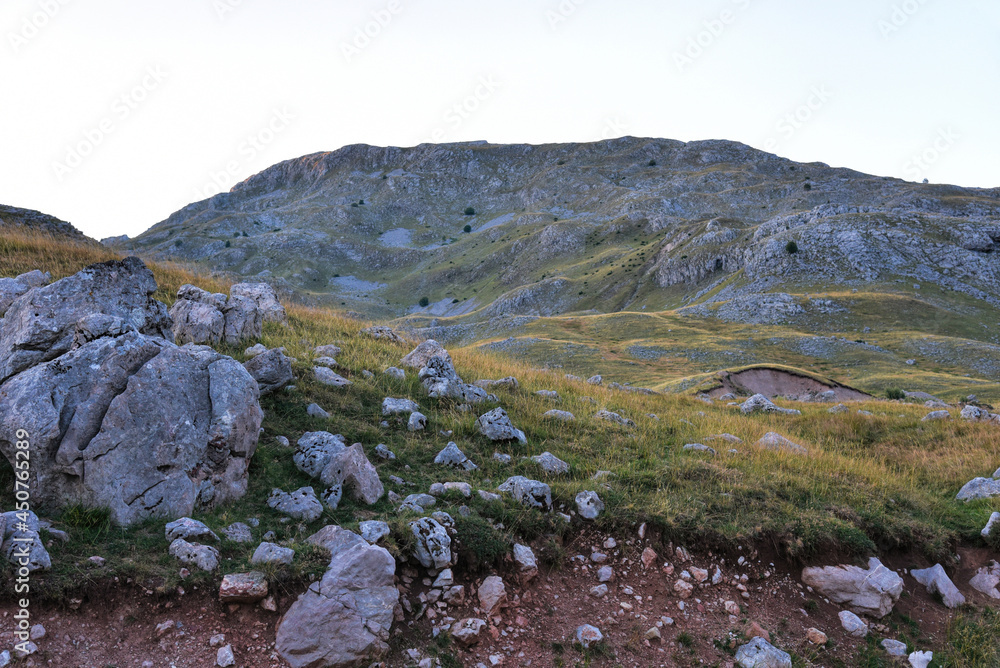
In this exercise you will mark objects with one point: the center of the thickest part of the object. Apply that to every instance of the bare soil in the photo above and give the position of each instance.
(778, 382)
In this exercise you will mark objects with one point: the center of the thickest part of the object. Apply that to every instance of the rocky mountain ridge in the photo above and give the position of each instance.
(623, 224)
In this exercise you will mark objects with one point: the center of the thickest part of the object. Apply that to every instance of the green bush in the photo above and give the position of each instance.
(469, 211)
(467, 229)
(424, 301)
(652, 163)
(894, 393)
(791, 247)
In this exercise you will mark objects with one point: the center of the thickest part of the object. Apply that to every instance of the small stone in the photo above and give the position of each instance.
(894, 647)
(854, 625)
(588, 635)
(815, 636)
(589, 505)
(243, 587)
(417, 422)
(605, 574)
(314, 410)
(224, 657)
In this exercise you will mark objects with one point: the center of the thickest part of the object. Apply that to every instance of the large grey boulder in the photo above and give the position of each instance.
(550, 463)
(203, 557)
(264, 298)
(97, 440)
(40, 324)
(441, 381)
(938, 582)
(187, 529)
(342, 621)
(12, 288)
(314, 451)
(528, 492)
(589, 505)
(302, 504)
(197, 322)
(351, 470)
(392, 406)
(453, 457)
(272, 370)
(418, 358)
(758, 653)
(979, 488)
(200, 317)
(873, 591)
(496, 426)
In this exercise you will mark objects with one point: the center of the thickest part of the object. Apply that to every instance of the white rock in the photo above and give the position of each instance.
(938, 582)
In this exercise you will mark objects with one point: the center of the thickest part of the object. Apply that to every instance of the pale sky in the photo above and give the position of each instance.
(116, 113)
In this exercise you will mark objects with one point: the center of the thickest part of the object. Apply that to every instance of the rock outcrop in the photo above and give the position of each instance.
(200, 316)
(83, 362)
(873, 591)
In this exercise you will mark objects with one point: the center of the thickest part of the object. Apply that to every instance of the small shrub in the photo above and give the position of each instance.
(791, 248)
(424, 301)
(467, 229)
(481, 547)
(469, 211)
(652, 163)
(895, 393)
(228, 244)
(808, 186)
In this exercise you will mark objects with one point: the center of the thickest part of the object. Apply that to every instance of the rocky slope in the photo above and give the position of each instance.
(625, 224)
(11, 217)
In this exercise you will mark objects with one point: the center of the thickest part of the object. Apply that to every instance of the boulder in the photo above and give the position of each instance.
(758, 403)
(373, 530)
(496, 426)
(595, 380)
(344, 619)
(272, 371)
(938, 582)
(589, 505)
(531, 493)
(508, 383)
(243, 587)
(433, 546)
(987, 579)
(416, 422)
(264, 297)
(10, 289)
(417, 503)
(562, 416)
(441, 381)
(391, 406)
(238, 532)
(20, 541)
(255, 349)
(524, 557)
(975, 414)
(351, 469)
(936, 415)
(894, 647)
(327, 376)
(991, 524)
(492, 595)
(610, 416)
(551, 464)
(979, 488)
(854, 625)
(775, 441)
(203, 557)
(700, 447)
(588, 635)
(40, 324)
(316, 411)
(466, 632)
(188, 529)
(315, 450)
(96, 442)
(418, 358)
(759, 653)
(382, 333)
(393, 372)
(197, 322)
(452, 457)
(270, 553)
(302, 504)
(873, 591)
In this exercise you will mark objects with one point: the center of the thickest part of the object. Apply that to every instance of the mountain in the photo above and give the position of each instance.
(12, 217)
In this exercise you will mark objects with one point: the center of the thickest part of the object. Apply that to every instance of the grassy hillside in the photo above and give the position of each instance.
(870, 483)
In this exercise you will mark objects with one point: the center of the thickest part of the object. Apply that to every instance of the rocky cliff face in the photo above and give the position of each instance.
(621, 224)
(12, 218)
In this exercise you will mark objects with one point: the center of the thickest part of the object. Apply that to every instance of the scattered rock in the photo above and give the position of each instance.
(382, 451)
(302, 504)
(255, 349)
(774, 441)
(614, 417)
(264, 298)
(351, 470)
(873, 591)
(586, 634)
(894, 647)
(204, 557)
(979, 488)
(595, 380)
(524, 557)
(396, 373)
(188, 528)
(496, 426)
(492, 595)
(529, 492)
(987, 580)
(758, 403)
(433, 547)
(562, 416)
(224, 657)
(589, 505)
(551, 464)
(466, 632)
(759, 653)
(382, 333)
(938, 582)
(417, 422)
(270, 553)
(854, 625)
(314, 410)
(452, 457)
(839, 408)
(509, 383)
(373, 530)
(418, 358)
(936, 415)
(699, 447)
(391, 406)
(921, 659)
(238, 532)
(815, 636)
(327, 376)
(271, 369)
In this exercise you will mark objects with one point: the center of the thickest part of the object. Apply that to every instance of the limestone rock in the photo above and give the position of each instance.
(270, 553)
(936, 415)
(417, 422)
(243, 587)
(373, 530)
(854, 625)
(418, 358)
(508, 383)
(302, 504)
(496, 426)
(894, 647)
(20, 541)
(441, 381)
(589, 505)
(466, 632)
(610, 416)
(492, 595)
(272, 371)
(264, 298)
(873, 591)
(588, 635)
(979, 488)
(204, 557)
(351, 469)
(316, 411)
(774, 441)
(315, 450)
(344, 620)
(524, 557)
(758, 403)
(987, 580)
(759, 653)
(391, 406)
(433, 547)
(700, 447)
(327, 376)
(453, 457)
(551, 464)
(188, 529)
(938, 582)
(238, 532)
(562, 416)
(382, 333)
(528, 492)
(991, 524)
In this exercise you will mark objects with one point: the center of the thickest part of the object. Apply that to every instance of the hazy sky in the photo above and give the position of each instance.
(118, 112)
